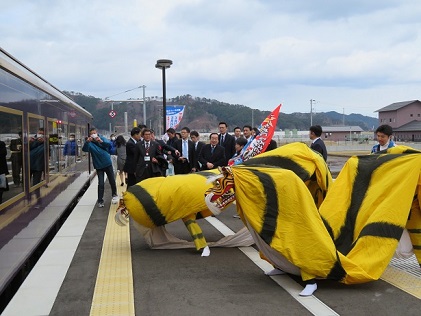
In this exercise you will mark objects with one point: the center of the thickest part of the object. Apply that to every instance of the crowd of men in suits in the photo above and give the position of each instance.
(148, 157)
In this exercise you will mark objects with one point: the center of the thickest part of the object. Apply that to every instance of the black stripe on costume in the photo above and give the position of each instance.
(198, 236)
(328, 227)
(149, 205)
(280, 162)
(382, 229)
(366, 166)
(337, 272)
(414, 230)
(271, 210)
(188, 222)
(205, 173)
(411, 151)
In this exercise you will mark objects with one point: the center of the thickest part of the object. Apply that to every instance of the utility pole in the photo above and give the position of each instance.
(311, 111)
(144, 105)
(112, 109)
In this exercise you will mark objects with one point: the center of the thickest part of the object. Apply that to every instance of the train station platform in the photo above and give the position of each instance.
(28, 229)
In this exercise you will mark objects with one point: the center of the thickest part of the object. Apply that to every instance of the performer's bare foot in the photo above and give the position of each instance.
(274, 272)
(309, 290)
(206, 252)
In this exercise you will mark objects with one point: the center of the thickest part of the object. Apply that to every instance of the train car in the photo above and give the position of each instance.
(36, 121)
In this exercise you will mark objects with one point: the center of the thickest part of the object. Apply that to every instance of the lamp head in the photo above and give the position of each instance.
(163, 63)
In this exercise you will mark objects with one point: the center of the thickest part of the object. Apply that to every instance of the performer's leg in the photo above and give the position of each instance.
(311, 287)
(413, 225)
(196, 232)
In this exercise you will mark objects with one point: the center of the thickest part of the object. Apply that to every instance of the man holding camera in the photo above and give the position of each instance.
(98, 146)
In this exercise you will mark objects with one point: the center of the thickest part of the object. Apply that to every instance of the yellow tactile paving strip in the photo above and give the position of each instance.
(113, 294)
(403, 280)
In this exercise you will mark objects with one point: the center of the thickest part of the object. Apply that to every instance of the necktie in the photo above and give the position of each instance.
(222, 139)
(185, 149)
(147, 146)
(213, 148)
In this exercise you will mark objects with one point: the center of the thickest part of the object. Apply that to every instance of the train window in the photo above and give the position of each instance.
(11, 158)
(80, 136)
(72, 129)
(55, 135)
(36, 141)
(71, 149)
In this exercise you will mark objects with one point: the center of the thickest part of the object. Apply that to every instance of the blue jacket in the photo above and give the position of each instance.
(376, 148)
(70, 148)
(99, 152)
(113, 147)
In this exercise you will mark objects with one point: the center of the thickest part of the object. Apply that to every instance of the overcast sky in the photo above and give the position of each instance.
(349, 56)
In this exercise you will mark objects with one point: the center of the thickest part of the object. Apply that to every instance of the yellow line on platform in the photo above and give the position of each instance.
(113, 294)
(403, 280)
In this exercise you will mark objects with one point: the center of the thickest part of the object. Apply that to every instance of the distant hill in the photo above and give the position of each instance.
(203, 114)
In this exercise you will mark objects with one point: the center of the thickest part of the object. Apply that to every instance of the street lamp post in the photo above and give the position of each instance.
(163, 64)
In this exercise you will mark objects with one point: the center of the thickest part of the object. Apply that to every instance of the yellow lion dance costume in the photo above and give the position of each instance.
(155, 202)
(352, 237)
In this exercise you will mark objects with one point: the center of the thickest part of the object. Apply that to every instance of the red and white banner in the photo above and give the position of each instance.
(259, 143)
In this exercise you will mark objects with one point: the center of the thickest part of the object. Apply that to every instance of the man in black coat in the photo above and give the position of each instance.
(186, 161)
(212, 155)
(198, 145)
(146, 157)
(317, 143)
(227, 141)
(272, 145)
(130, 164)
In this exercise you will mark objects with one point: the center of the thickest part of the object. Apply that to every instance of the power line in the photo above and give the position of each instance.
(123, 92)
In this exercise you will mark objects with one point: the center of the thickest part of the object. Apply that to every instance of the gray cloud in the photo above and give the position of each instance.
(352, 56)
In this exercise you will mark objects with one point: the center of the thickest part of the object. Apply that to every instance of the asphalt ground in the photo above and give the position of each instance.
(181, 282)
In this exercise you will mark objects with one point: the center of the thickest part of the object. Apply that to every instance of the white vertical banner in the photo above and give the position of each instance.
(174, 115)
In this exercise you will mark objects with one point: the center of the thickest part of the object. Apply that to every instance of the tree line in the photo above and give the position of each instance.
(204, 114)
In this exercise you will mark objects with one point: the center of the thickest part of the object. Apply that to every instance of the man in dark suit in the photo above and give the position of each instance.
(272, 145)
(317, 143)
(198, 145)
(130, 164)
(186, 161)
(146, 157)
(227, 141)
(237, 132)
(212, 155)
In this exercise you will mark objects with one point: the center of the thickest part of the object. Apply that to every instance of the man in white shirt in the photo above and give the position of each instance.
(186, 161)
(384, 137)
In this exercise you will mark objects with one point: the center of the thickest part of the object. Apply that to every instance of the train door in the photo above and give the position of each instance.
(54, 127)
(37, 147)
(12, 167)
